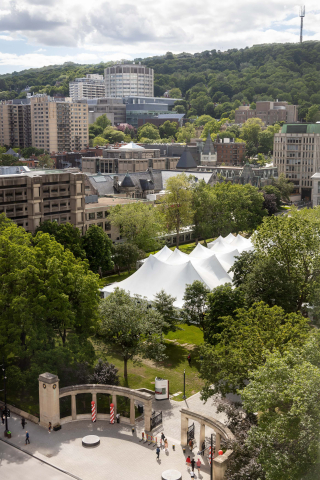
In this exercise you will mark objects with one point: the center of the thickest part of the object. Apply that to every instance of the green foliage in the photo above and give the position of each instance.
(139, 223)
(131, 327)
(175, 93)
(185, 133)
(285, 393)
(168, 129)
(284, 186)
(163, 304)
(28, 151)
(245, 340)
(202, 120)
(113, 135)
(273, 190)
(97, 246)
(251, 129)
(148, 130)
(194, 307)
(9, 160)
(103, 122)
(125, 255)
(99, 141)
(313, 114)
(45, 161)
(65, 234)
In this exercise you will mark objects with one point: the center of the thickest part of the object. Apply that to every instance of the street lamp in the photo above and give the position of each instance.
(184, 384)
(5, 392)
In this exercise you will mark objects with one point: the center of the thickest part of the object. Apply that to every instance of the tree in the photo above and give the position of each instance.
(126, 255)
(131, 328)
(313, 114)
(45, 161)
(202, 120)
(113, 135)
(141, 224)
(104, 373)
(176, 203)
(163, 303)
(272, 190)
(251, 130)
(195, 303)
(213, 126)
(95, 130)
(185, 133)
(103, 122)
(100, 141)
(65, 234)
(294, 243)
(222, 301)
(243, 344)
(270, 203)
(284, 186)
(97, 246)
(285, 392)
(9, 160)
(148, 130)
(175, 93)
(168, 129)
(179, 109)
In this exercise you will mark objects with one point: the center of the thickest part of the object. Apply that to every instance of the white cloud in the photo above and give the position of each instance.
(109, 30)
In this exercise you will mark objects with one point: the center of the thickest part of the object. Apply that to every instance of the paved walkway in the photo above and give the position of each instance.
(120, 454)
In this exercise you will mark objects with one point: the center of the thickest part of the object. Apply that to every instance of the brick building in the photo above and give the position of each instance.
(229, 152)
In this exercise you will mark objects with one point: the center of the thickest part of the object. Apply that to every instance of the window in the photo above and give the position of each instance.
(100, 224)
(99, 214)
(92, 216)
(107, 226)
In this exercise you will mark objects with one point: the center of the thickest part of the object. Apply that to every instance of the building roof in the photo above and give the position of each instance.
(13, 153)
(301, 128)
(208, 146)
(131, 146)
(186, 160)
(127, 181)
(169, 116)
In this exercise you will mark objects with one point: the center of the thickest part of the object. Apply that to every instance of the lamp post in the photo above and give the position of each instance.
(211, 456)
(5, 392)
(184, 384)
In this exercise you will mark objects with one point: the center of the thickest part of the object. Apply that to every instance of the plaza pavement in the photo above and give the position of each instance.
(120, 455)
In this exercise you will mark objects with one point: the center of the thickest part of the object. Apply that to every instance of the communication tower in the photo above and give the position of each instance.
(302, 14)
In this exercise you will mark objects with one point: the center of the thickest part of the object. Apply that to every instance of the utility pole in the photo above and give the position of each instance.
(5, 392)
(302, 15)
(184, 384)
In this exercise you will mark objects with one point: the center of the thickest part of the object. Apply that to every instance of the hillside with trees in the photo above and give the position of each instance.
(262, 72)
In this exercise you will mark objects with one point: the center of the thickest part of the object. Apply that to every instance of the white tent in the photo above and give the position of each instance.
(241, 243)
(163, 254)
(229, 238)
(201, 252)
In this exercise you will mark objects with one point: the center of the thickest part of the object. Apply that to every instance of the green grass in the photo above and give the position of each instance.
(143, 374)
(115, 278)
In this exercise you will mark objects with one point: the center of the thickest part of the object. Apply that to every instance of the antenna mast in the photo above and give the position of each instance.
(301, 15)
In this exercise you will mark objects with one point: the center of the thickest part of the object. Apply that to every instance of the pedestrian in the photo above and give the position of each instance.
(166, 445)
(118, 417)
(190, 444)
(198, 465)
(189, 359)
(158, 453)
(193, 464)
(27, 437)
(49, 428)
(203, 447)
(188, 461)
(162, 438)
(3, 418)
(23, 422)
(192, 474)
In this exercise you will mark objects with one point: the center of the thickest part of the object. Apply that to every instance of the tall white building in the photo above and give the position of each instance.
(128, 80)
(88, 87)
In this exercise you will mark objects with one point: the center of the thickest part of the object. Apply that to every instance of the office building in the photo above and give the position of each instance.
(142, 107)
(128, 80)
(91, 86)
(114, 108)
(59, 125)
(296, 153)
(268, 112)
(15, 123)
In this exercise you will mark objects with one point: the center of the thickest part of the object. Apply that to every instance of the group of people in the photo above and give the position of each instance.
(192, 463)
(164, 444)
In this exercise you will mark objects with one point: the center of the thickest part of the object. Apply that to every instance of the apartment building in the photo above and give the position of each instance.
(229, 152)
(129, 79)
(268, 112)
(59, 125)
(90, 86)
(15, 124)
(128, 158)
(296, 153)
(113, 108)
(30, 198)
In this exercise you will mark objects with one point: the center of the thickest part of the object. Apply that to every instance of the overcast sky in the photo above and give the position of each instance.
(34, 33)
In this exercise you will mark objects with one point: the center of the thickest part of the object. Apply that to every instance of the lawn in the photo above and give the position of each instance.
(178, 346)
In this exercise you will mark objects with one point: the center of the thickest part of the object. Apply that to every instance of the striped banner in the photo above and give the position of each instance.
(93, 411)
(111, 413)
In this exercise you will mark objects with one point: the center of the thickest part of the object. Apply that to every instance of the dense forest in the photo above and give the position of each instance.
(263, 72)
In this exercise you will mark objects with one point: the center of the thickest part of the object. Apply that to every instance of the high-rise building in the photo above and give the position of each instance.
(90, 86)
(296, 153)
(128, 80)
(59, 125)
(15, 124)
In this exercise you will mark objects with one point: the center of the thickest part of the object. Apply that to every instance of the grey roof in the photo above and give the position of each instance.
(12, 152)
(186, 160)
(104, 188)
(127, 181)
(208, 146)
(146, 184)
(171, 115)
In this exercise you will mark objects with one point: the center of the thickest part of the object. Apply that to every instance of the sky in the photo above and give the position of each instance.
(35, 33)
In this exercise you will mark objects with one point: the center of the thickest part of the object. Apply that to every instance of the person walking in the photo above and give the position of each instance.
(203, 447)
(50, 427)
(23, 422)
(189, 359)
(166, 445)
(27, 437)
(162, 438)
(190, 444)
(3, 418)
(193, 464)
(188, 461)
(198, 465)
(158, 453)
